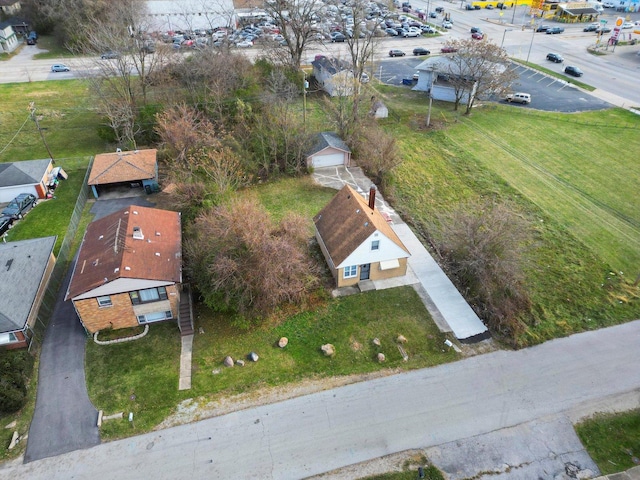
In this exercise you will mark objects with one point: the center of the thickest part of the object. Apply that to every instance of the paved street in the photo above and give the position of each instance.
(347, 425)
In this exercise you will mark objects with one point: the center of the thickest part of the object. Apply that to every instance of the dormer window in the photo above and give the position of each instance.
(375, 245)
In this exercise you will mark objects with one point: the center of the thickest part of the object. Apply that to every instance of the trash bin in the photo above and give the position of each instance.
(147, 188)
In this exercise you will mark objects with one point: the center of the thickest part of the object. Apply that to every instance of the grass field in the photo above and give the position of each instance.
(612, 441)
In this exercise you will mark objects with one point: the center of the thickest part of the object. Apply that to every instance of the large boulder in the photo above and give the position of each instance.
(376, 342)
(228, 361)
(283, 342)
(328, 350)
(381, 358)
(401, 339)
(253, 356)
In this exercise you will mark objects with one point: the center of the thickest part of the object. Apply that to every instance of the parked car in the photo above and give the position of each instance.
(396, 53)
(626, 25)
(338, 37)
(603, 29)
(447, 24)
(433, 15)
(608, 4)
(519, 98)
(555, 57)
(5, 224)
(448, 49)
(421, 51)
(571, 70)
(19, 206)
(59, 67)
(477, 35)
(428, 29)
(392, 32)
(489, 7)
(468, 6)
(244, 44)
(543, 28)
(109, 55)
(412, 33)
(554, 30)
(590, 28)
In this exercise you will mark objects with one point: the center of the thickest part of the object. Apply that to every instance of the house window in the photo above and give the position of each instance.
(351, 271)
(375, 245)
(155, 317)
(104, 301)
(148, 295)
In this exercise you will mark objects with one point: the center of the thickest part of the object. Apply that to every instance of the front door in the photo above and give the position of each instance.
(364, 271)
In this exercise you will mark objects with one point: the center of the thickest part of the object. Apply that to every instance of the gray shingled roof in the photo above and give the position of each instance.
(22, 265)
(332, 65)
(27, 172)
(328, 139)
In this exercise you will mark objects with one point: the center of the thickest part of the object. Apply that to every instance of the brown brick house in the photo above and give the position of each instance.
(129, 269)
(24, 276)
(356, 240)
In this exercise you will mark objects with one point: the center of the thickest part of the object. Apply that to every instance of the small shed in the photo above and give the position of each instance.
(329, 150)
(27, 176)
(138, 168)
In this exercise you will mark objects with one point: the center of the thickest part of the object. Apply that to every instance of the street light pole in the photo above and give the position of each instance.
(514, 12)
(533, 28)
(503, 35)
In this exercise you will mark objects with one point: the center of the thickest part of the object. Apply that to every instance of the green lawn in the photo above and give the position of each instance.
(148, 368)
(65, 114)
(612, 441)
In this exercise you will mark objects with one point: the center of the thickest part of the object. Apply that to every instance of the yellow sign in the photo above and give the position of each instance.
(619, 21)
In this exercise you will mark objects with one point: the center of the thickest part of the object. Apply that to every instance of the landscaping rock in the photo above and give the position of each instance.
(215, 371)
(328, 350)
(376, 342)
(283, 342)
(12, 424)
(381, 358)
(200, 330)
(15, 438)
(228, 361)
(401, 339)
(240, 363)
(253, 356)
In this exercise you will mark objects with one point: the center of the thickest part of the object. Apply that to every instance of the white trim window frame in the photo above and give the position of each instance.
(375, 245)
(104, 301)
(350, 272)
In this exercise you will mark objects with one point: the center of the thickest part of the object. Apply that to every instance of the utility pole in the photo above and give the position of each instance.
(305, 86)
(34, 117)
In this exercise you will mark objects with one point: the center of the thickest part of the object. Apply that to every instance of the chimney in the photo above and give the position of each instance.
(372, 197)
(137, 233)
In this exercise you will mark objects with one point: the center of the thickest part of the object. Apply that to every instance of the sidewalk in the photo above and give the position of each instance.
(448, 308)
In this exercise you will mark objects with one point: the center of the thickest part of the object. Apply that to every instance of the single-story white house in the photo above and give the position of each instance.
(334, 75)
(329, 150)
(28, 176)
(8, 39)
(435, 75)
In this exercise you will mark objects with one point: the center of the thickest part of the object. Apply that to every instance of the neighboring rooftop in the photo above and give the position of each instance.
(328, 139)
(23, 173)
(347, 221)
(22, 266)
(135, 243)
(123, 166)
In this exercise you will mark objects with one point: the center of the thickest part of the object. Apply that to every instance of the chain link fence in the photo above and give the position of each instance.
(64, 256)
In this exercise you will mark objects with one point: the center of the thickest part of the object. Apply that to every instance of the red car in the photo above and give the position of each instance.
(477, 35)
(448, 49)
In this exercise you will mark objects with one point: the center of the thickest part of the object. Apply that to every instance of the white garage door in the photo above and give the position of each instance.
(331, 160)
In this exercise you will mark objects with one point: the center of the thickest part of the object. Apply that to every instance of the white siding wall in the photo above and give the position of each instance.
(363, 254)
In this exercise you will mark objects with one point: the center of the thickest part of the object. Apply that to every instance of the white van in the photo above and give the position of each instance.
(519, 97)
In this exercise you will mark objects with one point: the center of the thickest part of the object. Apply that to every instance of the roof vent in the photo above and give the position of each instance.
(135, 212)
(118, 150)
(100, 237)
(157, 234)
(126, 212)
(105, 280)
(95, 263)
(357, 210)
(116, 270)
(137, 233)
(366, 224)
(127, 268)
(157, 254)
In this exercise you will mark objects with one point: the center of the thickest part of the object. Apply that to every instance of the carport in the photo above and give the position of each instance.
(134, 170)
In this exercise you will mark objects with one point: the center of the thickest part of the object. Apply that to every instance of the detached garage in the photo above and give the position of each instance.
(114, 171)
(329, 151)
(28, 176)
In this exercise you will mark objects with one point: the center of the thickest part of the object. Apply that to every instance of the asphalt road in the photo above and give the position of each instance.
(323, 431)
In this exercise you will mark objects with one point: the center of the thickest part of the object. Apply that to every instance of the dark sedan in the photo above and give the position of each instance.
(555, 57)
(396, 53)
(574, 71)
(421, 51)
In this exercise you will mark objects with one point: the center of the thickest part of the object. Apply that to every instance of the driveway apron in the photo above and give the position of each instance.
(64, 418)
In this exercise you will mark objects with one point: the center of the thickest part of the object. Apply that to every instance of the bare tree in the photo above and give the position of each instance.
(478, 69)
(295, 19)
(484, 247)
(376, 151)
(241, 261)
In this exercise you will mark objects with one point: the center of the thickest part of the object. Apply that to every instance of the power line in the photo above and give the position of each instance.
(16, 134)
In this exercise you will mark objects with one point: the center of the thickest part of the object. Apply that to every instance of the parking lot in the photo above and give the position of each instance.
(547, 93)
